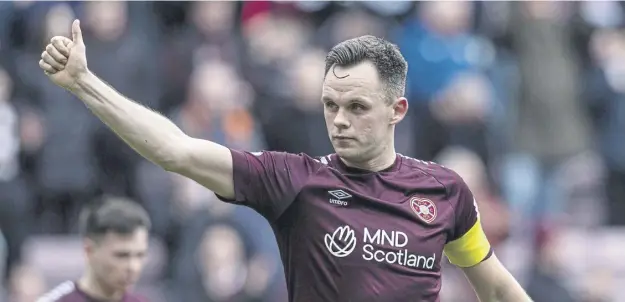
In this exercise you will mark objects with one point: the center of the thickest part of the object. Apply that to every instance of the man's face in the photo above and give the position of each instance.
(117, 259)
(214, 84)
(358, 117)
(107, 19)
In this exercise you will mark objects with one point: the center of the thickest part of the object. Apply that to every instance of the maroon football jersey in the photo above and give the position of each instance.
(346, 234)
(70, 292)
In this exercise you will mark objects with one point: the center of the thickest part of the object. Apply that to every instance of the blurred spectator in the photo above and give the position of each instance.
(550, 74)
(9, 165)
(493, 212)
(462, 111)
(602, 14)
(64, 166)
(111, 45)
(389, 9)
(445, 60)
(177, 203)
(274, 39)
(3, 260)
(208, 113)
(15, 198)
(221, 265)
(550, 124)
(605, 94)
(587, 205)
(273, 44)
(351, 23)
(545, 284)
(27, 285)
(8, 15)
(211, 34)
(435, 43)
(302, 111)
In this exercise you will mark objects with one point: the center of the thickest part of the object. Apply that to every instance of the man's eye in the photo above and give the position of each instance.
(122, 255)
(357, 107)
(331, 105)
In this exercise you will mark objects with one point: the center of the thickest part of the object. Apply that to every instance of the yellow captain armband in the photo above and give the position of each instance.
(470, 249)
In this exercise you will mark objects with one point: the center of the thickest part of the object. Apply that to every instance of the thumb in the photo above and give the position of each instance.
(77, 33)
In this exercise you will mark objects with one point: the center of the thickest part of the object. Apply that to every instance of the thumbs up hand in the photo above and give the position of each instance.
(64, 60)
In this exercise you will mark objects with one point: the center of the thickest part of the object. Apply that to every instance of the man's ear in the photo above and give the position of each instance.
(89, 246)
(400, 108)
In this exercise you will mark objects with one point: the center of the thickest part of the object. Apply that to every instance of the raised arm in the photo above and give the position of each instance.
(146, 131)
(493, 283)
(470, 250)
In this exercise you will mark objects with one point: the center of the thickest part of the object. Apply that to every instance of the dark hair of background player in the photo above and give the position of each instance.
(388, 60)
(116, 215)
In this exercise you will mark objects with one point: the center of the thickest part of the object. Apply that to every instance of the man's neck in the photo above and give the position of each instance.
(382, 162)
(89, 285)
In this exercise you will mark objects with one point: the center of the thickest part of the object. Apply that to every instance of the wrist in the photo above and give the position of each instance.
(84, 79)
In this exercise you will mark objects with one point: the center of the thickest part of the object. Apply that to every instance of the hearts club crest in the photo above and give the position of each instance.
(424, 208)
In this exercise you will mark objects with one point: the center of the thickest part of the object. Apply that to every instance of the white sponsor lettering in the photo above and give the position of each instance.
(338, 202)
(377, 245)
(401, 257)
(382, 237)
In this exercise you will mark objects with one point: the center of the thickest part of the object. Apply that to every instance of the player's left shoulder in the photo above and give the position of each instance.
(444, 175)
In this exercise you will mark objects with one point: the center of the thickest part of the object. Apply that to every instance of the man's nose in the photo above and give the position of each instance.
(134, 265)
(340, 120)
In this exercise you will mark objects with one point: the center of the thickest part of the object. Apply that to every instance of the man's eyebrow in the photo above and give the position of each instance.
(326, 98)
(361, 99)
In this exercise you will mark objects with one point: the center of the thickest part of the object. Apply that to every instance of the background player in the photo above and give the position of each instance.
(115, 236)
(360, 119)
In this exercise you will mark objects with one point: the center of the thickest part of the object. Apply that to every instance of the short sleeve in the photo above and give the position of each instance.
(468, 244)
(269, 182)
(66, 291)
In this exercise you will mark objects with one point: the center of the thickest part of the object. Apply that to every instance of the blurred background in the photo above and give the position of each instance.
(525, 100)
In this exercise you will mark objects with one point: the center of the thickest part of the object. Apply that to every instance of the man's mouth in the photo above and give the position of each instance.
(342, 137)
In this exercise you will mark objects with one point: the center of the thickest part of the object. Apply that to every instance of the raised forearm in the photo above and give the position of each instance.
(152, 135)
(506, 290)
(492, 282)
(148, 132)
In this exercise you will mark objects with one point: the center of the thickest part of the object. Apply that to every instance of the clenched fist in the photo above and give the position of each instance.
(64, 61)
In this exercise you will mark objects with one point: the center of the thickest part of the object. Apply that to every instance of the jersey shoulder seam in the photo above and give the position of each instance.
(318, 164)
(447, 191)
(57, 293)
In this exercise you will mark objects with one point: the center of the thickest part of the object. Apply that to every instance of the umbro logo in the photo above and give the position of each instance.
(339, 197)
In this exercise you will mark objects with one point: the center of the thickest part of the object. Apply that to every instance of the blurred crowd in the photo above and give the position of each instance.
(525, 100)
